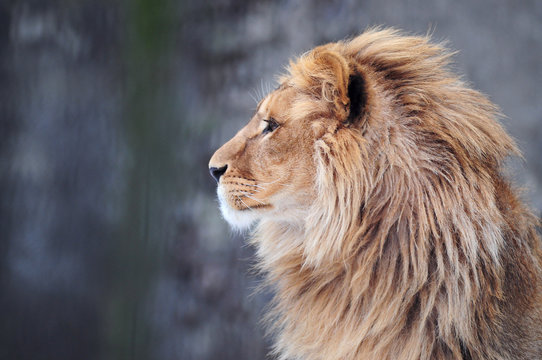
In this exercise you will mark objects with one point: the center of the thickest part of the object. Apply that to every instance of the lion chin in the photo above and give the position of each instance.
(238, 220)
(372, 178)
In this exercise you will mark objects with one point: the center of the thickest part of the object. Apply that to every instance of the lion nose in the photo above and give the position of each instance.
(218, 172)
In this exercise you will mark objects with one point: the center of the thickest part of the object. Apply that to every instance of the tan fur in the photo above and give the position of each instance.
(395, 235)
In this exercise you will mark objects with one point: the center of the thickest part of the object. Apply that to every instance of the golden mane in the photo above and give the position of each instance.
(416, 246)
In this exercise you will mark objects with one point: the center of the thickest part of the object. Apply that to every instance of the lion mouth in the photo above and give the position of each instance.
(242, 196)
(244, 203)
(256, 207)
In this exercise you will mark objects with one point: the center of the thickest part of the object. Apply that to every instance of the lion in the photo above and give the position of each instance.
(372, 179)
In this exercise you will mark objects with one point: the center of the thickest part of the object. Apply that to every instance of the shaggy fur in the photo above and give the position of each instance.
(383, 220)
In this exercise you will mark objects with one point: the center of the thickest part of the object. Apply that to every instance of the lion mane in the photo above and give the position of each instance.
(415, 246)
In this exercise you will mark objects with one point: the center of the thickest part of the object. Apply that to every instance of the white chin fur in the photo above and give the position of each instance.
(239, 220)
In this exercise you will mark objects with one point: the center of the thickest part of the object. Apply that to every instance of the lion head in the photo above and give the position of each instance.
(374, 176)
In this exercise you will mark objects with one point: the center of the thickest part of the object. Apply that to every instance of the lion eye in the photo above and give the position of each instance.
(272, 124)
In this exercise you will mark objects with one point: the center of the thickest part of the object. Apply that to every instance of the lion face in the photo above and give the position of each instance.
(266, 168)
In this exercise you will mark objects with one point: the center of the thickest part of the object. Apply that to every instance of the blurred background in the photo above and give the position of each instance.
(111, 243)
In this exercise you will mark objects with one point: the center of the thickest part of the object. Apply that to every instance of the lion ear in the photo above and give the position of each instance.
(332, 71)
(327, 75)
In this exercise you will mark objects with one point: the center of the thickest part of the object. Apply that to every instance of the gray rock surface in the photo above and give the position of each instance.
(111, 243)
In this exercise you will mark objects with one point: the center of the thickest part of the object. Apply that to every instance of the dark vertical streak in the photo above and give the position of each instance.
(147, 125)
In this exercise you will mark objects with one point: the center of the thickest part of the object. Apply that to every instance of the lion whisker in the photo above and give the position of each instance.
(245, 192)
(241, 200)
(261, 87)
(254, 185)
(272, 182)
(254, 97)
(250, 197)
